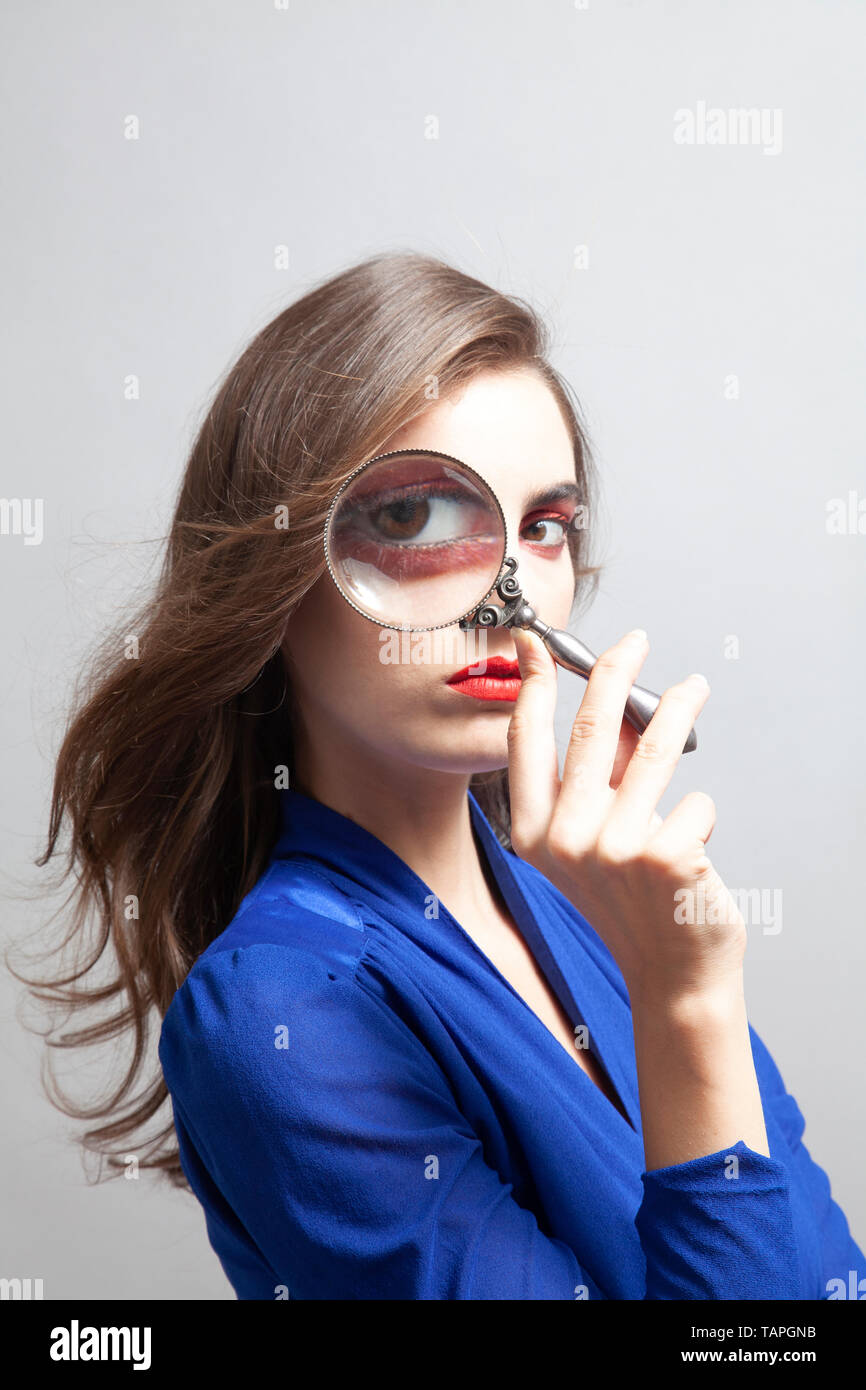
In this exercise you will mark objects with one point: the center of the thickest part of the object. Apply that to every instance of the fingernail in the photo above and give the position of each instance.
(637, 634)
(697, 679)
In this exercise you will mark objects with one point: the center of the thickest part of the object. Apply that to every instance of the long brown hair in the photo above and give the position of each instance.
(167, 772)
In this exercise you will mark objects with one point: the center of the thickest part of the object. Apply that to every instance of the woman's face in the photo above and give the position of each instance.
(356, 704)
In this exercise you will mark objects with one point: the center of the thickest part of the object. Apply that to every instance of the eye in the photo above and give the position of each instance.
(429, 529)
(427, 515)
(546, 532)
(425, 520)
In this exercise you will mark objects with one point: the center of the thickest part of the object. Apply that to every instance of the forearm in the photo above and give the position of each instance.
(696, 1076)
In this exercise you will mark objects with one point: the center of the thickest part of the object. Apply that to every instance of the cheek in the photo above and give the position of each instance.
(549, 587)
(332, 652)
(350, 671)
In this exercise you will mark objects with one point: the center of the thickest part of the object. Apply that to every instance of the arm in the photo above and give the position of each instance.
(696, 1075)
(655, 899)
(350, 1165)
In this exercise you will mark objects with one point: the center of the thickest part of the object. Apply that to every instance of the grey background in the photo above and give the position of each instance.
(305, 127)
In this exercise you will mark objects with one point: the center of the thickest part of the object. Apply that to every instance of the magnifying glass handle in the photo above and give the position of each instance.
(574, 655)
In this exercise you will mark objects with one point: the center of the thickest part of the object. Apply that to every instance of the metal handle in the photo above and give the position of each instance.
(566, 650)
(574, 655)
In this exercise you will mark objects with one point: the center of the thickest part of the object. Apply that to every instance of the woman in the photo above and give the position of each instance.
(434, 1025)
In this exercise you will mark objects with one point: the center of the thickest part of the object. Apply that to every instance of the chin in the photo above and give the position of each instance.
(476, 755)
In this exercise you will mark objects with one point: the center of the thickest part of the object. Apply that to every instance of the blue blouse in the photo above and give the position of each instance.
(367, 1109)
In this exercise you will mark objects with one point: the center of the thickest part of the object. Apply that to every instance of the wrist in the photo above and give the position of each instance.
(702, 1039)
(720, 998)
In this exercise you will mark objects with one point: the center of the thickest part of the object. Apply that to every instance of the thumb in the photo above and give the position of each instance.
(533, 767)
(534, 659)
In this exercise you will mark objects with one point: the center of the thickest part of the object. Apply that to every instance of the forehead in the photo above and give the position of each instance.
(506, 425)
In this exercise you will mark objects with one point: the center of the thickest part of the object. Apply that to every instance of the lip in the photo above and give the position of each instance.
(500, 681)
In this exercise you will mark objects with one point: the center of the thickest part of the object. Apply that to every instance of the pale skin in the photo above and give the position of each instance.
(393, 748)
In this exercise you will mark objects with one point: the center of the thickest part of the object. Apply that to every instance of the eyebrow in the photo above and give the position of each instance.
(557, 492)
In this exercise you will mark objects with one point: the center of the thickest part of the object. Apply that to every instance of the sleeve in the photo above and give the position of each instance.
(335, 1137)
(843, 1265)
(719, 1227)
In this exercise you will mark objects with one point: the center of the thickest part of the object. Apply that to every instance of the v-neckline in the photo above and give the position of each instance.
(521, 912)
(359, 856)
(510, 923)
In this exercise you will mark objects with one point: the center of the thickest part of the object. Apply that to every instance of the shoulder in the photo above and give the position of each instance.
(287, 974)
(292, 908)
(292, 937)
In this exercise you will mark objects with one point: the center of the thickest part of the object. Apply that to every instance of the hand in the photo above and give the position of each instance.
(646, 885)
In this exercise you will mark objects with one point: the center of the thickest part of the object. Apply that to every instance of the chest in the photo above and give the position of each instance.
(508, 951)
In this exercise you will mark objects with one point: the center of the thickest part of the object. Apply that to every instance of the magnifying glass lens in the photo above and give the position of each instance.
(415, 540)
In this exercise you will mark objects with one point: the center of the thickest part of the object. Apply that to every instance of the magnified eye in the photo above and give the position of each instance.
(426, 520)
(415, 539)
(402, 520)
(422, 518)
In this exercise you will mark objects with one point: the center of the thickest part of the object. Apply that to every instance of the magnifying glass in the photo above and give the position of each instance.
(415, 539)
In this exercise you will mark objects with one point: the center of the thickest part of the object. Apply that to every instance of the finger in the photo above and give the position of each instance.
(628, 738)
(694, 816)
(683, 834)
(533, 768)
(594, 740)
(690, 824)
(657, 753)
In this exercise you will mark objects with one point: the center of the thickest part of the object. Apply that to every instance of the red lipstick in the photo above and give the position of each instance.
(500, 681)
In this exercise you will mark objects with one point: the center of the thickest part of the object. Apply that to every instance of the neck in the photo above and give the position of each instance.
(421, 814)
